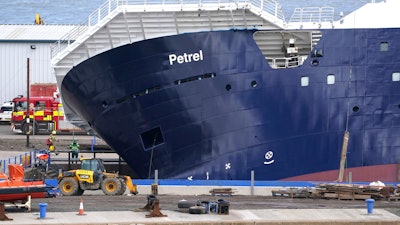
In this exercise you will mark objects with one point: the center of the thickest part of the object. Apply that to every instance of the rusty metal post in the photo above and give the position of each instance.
(3, 216)
(156, 209)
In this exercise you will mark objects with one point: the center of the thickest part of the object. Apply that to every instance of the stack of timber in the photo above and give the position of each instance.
(351, 191)
(222, 191)
(305, 192)
(341, 192)
(392, 193)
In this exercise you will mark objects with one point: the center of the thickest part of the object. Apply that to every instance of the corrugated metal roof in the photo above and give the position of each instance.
(33, 32)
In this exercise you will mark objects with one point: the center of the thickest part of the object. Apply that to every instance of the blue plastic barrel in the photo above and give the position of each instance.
(370, 205)
(42, 207)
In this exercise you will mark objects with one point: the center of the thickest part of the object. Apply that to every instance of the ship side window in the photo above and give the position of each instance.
(195, 78)
(120, 100)
(136, 94)
(317, 53)
(384, 46)
(305, 81)
(152, 138)
(330, 79)
(104, 104)
(396, 76)
(314, 62)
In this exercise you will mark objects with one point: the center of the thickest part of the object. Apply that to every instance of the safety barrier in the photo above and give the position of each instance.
(27, 159)
(35, 158)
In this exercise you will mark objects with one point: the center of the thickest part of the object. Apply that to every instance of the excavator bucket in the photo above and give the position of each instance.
(132, 187)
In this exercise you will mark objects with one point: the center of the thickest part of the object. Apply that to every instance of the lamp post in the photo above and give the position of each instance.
(27, 105)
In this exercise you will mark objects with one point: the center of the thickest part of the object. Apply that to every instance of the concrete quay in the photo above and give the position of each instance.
(242, 216)
(260, 216)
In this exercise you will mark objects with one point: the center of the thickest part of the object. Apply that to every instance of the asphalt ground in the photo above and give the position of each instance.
(99, 209)
(96, 201)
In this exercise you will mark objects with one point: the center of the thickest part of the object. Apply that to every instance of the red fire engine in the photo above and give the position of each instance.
(44, 114)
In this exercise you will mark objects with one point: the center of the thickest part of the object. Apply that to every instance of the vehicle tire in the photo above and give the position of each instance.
(68, 186)
(80, 191)
(183, 204)
(197, 210)
(111, 186)
(32, 127)
(123, 186)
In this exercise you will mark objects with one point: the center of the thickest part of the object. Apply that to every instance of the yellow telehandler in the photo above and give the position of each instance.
(93, 176)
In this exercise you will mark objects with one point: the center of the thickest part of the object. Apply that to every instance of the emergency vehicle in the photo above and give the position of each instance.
(45, 114)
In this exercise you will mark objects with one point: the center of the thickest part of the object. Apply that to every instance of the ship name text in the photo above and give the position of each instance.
(186, 57)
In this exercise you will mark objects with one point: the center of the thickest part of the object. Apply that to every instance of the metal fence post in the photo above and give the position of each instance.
(156, 176)
(252, 183)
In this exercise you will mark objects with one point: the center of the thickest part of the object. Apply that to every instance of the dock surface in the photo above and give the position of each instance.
(255, 216)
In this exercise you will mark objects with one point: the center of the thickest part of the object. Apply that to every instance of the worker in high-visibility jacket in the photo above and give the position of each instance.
(74, 150)
(50, 142)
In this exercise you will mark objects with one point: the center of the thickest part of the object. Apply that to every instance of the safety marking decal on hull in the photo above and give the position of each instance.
(268, 157)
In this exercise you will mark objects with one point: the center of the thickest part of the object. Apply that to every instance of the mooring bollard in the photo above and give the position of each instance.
(42, 207)
(370, 205)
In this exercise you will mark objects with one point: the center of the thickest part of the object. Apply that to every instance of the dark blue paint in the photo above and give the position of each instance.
(205, 126)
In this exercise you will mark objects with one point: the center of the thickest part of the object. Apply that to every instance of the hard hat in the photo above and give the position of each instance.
(53, 132)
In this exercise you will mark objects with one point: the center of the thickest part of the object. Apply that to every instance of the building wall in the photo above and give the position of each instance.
(13, 67)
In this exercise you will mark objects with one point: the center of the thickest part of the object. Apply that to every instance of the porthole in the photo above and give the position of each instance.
(228, 87)
(356, 109)
(254, 84)
(105, 104)
(315, 62)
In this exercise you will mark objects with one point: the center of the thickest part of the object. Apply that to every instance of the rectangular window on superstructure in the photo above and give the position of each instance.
(396, 76)
(305, 81)
(330, 79)
(384, 46)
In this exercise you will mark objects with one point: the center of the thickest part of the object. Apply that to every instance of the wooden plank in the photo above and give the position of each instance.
(282, 193)
(221, 191)
(394, 198)
(343, 155)
(347, 196)
(292, 193)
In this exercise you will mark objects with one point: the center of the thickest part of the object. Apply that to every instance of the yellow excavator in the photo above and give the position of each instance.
(93, 176)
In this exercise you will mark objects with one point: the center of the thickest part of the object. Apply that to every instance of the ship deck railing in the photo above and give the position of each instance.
(285, 62)
(312, 14)
(105, 10)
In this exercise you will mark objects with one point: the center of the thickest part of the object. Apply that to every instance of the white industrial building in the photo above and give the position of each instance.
(18, 43)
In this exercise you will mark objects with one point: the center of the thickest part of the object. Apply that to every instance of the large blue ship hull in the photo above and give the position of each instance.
(209, 106)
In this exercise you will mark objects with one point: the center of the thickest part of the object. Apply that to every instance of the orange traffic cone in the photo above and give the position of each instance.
(81, 211)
